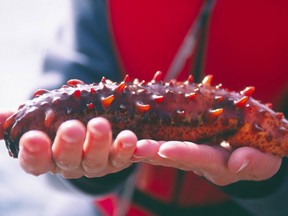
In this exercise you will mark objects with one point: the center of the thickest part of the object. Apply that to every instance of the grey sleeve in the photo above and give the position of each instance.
(274, 204)
(263, 198)
(83, 48)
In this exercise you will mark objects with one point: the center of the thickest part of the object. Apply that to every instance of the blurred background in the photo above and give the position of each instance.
(27, 28)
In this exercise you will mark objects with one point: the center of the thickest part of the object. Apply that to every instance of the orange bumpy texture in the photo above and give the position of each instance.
(184, 111)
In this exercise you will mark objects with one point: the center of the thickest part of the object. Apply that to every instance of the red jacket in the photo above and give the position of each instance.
(246, 43)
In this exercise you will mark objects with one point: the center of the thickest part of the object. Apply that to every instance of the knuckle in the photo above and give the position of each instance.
(119, 161)
(118, 164)
(93, 166)
(67, 165)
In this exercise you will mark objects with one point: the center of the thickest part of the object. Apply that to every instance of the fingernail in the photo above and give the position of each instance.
(94, 130)
(68, 138)
(71, 131)
(127, 145)
(31, 147)
(162, 155)
(97, 127)
(243, 165)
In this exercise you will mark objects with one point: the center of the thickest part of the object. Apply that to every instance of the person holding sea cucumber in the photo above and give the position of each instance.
(235, 41)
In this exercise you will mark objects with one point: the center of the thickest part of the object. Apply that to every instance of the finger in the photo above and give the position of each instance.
(123, 149)
(68, 144)
(194, 156)
(204, 160)
(147, 151)
(253, 164)
(3, 117)
(35, 155)
(97, 144)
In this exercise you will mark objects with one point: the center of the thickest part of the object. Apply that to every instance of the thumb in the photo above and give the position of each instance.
(253, 164)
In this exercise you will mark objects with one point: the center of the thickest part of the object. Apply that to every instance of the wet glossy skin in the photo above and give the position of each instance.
(183, 111)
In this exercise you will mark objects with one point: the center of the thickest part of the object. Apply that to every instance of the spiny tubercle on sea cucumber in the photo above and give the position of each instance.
(184, 111)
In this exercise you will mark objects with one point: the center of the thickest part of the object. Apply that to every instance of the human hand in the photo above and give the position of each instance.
(219, 165)
(77, 151)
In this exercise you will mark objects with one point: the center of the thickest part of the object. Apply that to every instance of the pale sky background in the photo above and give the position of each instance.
(26, 30)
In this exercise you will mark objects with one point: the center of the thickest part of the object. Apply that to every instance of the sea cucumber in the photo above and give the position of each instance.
(184, 111)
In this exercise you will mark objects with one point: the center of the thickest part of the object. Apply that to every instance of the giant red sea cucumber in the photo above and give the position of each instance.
(185, 111)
